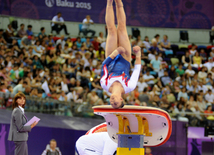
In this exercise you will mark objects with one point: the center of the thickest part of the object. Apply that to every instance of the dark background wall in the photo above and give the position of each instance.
(149, 13)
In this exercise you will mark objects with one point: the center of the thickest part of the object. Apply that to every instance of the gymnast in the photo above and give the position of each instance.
(96, 142)
(115, 76)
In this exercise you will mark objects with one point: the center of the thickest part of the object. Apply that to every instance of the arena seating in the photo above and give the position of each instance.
(73, 78)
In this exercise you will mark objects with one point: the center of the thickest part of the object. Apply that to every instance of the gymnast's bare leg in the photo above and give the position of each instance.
(111, 41)
(122, 34)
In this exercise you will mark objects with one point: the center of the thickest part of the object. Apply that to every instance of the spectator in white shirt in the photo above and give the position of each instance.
(193, 87)
(201, 103)
(193, 50)
(58, 24)
(20, 87)
(152, 55)
(209, 64)
(101, 38)
(202, 87)
(190, 71)
(141, 84)
(149, 79)
(202, 75)
(86, 58)
(209, 97)
(64, 85)
(61, 41)
(86, 25)
(146, 42)
(183, 93)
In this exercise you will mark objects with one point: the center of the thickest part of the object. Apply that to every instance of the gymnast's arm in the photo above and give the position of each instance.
(138, 60)
(114, 54)
(135, 75)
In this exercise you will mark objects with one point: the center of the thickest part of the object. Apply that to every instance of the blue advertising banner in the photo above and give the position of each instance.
(39, 137)
(149, 13)
(195, 139)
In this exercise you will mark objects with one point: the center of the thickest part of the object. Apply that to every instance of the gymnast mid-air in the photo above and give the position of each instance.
(115, 77)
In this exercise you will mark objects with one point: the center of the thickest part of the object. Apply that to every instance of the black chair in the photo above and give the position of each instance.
(168, 60)
(211, 37)
(179, 54)
(14, 24)
(174, 48)
(4, 36)
(184, 36)
(135, 32)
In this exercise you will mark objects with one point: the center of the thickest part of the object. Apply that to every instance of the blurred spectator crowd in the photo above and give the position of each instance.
(176, 78)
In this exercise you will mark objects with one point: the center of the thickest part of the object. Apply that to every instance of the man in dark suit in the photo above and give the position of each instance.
(18, 132)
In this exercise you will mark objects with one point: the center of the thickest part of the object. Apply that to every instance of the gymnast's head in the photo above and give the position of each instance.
(116, 101)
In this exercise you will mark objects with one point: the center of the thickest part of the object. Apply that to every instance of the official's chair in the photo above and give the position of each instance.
(184, 36)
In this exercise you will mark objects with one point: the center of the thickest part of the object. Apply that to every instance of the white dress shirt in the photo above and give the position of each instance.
(86, 26)
(56, 19)
(22, 109)
(209, 98)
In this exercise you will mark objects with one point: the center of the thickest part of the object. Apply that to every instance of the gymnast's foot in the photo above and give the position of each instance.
(137, 51)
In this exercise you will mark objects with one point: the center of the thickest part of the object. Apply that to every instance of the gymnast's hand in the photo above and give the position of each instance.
(119, 50)
(137, 51)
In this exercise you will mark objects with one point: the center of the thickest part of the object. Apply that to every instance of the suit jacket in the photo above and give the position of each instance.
(18, 132)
